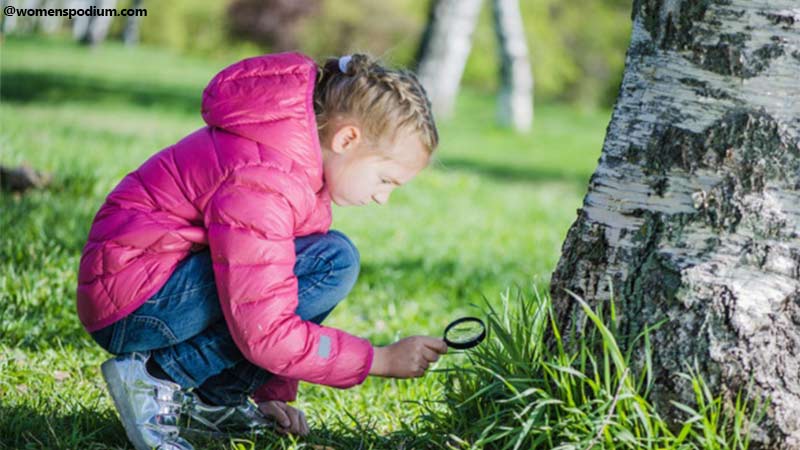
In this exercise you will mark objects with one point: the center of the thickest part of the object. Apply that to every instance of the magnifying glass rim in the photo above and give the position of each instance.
(472, 342)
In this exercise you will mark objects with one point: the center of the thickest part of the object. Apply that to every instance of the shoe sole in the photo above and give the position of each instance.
(114, 383)
(204, 434)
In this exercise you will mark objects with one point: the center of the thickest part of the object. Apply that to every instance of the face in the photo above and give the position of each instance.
(358, 172)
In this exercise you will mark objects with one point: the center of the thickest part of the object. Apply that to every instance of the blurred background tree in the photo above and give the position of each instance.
(445, 47)
(577, 48)
(270, 23)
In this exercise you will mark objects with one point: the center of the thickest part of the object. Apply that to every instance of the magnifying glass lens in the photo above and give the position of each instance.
(464, 332)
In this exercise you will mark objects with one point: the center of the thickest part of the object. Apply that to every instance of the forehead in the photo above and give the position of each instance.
(406, 153)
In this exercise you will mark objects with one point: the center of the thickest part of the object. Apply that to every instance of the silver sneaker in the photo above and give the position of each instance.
(204, 420)
(149, 408)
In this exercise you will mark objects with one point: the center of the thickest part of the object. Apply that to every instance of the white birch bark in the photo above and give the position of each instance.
(130, 35)
(448, 45)
(94, 29)
(8, 24)
(515, 102)
(693, 212)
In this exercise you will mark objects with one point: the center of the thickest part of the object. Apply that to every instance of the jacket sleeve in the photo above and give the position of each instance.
(277, 388)
(250, 234)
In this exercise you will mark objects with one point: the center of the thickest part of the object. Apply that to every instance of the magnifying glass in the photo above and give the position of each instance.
(463, 333)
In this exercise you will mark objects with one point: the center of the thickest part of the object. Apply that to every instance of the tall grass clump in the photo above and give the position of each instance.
(524, 388)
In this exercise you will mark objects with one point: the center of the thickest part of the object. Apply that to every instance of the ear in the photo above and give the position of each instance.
(346, 138)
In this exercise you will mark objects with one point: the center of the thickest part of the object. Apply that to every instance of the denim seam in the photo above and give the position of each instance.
(170, 363)
(331, 269)
(190, 291)
(162, 327)
(200, 350)
(117, 337)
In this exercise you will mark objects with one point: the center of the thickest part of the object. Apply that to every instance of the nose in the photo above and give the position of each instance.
(380, 198)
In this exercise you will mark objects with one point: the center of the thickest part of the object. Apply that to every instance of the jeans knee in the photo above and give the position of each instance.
(348, 259)
(348, 253)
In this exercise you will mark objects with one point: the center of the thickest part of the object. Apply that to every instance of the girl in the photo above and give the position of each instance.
(209, 269)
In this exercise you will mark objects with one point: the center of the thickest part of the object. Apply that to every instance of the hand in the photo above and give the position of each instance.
(287, 418)
(408, 357)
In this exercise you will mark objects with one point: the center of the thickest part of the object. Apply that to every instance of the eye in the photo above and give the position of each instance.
(386, 181)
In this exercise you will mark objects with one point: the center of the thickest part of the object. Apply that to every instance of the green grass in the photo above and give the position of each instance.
(491, 213)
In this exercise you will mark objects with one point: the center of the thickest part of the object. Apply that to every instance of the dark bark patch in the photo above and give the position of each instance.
(691, 29)
(719, 207)
(739, 140)
(786, 21)
(585, 250)
(672, 32)
(703, 89)
(633, 154)
(659, 185)
(746, 147)
(730, 56)
(652, 280)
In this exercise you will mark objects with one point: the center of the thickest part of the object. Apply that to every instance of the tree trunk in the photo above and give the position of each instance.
(130, 36)
(97, 26)
(8, 24)
(693, 212)
(50, 24)
(515, 103)
(447, 40)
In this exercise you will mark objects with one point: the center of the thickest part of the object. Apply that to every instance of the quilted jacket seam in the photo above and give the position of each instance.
(262, 75)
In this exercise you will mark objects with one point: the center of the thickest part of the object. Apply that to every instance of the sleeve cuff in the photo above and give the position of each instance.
(367, 366)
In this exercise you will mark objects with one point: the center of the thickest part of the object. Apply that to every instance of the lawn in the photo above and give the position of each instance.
(490, 214)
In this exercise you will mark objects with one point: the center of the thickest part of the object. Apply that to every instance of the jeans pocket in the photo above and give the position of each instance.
(141, 334)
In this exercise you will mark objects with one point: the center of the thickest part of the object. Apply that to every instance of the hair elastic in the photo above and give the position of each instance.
(343, 61)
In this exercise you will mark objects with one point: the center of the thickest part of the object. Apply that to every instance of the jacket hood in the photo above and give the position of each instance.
(269, 99)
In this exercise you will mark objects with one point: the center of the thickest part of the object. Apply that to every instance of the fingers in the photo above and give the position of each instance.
(437, 345)
(288, 419)
(298, 423)
(276, 411)
(305, 430)
(430, 355)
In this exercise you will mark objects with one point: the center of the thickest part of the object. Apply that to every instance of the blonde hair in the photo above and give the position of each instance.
(382, 100)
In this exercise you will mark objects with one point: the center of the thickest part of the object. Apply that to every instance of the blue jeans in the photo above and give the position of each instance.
(183, 328)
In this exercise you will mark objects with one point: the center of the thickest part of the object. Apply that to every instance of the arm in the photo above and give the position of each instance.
(250, 233)
(285, 389)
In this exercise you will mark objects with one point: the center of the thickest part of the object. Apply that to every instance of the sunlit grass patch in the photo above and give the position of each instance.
(525, 389)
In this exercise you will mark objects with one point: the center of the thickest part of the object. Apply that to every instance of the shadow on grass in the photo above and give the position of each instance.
(56, 216)
(23, 426)
(32, 86)
(508, 173)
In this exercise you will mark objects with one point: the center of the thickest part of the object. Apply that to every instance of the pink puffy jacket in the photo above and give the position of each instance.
(245, 185)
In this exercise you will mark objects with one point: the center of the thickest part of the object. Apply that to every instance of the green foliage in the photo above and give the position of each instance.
(192, 27)
(524, 388)
(389, 29)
